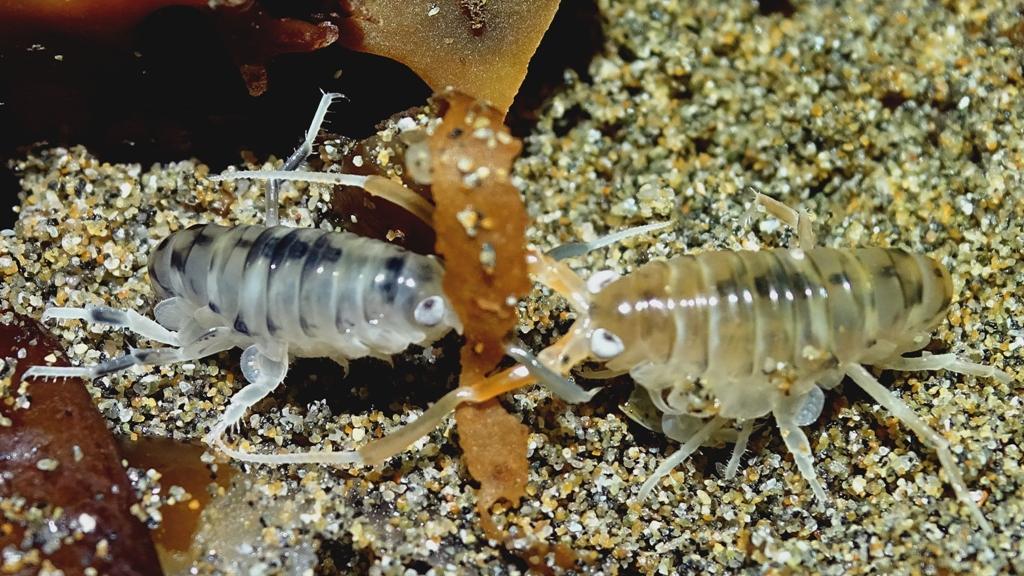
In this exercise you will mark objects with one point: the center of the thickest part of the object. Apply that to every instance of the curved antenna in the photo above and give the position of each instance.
(561, 386)
(574, 249)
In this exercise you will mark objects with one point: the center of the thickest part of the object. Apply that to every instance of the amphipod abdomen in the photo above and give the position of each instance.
(324, 293)
(732, 319)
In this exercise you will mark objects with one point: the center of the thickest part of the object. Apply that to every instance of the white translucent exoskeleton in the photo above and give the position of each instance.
(728, 337)
(276, 292)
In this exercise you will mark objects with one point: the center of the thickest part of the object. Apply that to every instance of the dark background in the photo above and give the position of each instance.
(168, 90)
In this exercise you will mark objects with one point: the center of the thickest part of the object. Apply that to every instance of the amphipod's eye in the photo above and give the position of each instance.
(430, 311)
(605, 345)
(600, 279)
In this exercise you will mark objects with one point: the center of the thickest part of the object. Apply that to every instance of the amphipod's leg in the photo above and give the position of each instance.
(377, 451)
(264, 375)
(558, 358)
(739, 448)
(790, 414)
(928, 436)
(215, 340)
(946, 362)
(799, 220)
(129, 319)
(684, 452)
(174, 313)
(298, 156)
(545, 369)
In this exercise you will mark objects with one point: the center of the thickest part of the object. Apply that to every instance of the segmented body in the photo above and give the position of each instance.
(754, 326)
(321, 293)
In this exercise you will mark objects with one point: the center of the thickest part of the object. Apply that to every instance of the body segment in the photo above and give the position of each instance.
(736, 319)
(324, 293)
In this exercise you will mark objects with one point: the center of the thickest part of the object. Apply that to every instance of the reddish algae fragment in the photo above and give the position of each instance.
(58, 460)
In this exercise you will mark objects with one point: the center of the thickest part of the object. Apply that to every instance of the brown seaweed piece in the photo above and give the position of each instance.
(479, 47)
(254, 38)
(481, 223)
(385, 153)
(65, 499)
(179, 464)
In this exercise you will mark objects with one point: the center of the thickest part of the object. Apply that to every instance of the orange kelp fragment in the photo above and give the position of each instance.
(68, 502)
(479, 47)
(494, 445)
(481, 222)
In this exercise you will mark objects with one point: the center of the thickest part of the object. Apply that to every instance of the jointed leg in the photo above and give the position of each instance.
(216, 340)
(129, 319)
(928, 436)
(298, 156)
(264, 375)
(800, 448)
(738, 449)
(947, 362)
(505, 381)
(800, 221)
(684, 452)
(560, 385)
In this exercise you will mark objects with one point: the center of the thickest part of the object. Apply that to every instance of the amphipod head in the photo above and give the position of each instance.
(414, 283)
(584, 340)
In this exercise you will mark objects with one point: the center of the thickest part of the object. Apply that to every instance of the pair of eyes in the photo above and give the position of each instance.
(603, 343)
(430, 311)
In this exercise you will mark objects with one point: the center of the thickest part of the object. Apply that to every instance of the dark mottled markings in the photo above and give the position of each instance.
(202, 241)
(115, 365)
(761, 285)
(777, 278)
(282, 250)
(214, 307)
(725, 286)
(240, 326)
(839, 279)
(909, 277)
(298, 249)
(388, 284)
(181, 250)
(801, 286)
(103, 315)
(332, 254)
(313, 258)
(263, 245)
(205, 238)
